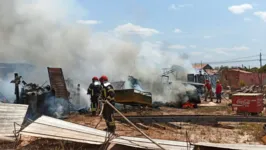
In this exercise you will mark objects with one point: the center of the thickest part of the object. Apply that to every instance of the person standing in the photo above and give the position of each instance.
(108, 94)
(218, 92)
(94, 90)
(208, 90)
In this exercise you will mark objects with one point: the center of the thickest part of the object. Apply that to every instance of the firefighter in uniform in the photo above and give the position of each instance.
(108, 94)
(94, 90)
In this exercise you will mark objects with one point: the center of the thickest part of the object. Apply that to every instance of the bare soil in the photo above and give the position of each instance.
(249, 133)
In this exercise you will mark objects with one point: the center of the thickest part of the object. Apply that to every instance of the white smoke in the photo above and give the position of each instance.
(44, 33)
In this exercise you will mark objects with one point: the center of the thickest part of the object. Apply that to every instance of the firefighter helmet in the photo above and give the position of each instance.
(103, 78)
(95, 79)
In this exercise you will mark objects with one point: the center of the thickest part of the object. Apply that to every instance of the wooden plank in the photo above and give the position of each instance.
(173, 125)
(142, 126)
(157, 125)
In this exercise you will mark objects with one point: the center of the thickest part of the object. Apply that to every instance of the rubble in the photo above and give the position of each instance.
(252, 89)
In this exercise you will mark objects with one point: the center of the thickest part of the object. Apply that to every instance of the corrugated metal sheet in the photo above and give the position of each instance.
(147, 144)
(47, 127)
(248, 94)
(232, 146)
(10, 113)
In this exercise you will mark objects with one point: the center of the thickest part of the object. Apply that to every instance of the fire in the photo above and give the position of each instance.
(188, 105)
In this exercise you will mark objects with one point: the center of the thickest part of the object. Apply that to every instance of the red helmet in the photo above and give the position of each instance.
(95, 79)
(103, 78)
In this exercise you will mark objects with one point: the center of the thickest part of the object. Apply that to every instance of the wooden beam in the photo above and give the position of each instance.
(142, 126)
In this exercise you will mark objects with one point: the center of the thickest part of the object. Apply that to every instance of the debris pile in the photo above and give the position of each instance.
(253, 89)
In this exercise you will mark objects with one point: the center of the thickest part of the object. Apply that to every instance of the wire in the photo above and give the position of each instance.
(221, 62)
(234, 60)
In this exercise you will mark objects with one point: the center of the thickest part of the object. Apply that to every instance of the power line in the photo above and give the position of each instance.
(234, 59)
(237, 61)
(246, 57)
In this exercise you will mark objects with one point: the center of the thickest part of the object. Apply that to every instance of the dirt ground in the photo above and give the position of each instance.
(222, 133)
(249, 133)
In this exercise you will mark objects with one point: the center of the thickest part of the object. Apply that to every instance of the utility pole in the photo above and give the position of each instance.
(261, 72)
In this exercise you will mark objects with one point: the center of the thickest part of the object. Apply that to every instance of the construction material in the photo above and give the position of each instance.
(51, 128)
(191, 118)
(158, 126)
(247, 103)
(58, 83)
(173, 125)
(107, 102)
(146, 144)
(142, 126)
(133, 97)
(11, 118)
(129, 92)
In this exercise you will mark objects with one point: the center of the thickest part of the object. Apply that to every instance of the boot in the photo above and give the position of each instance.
(111, 129)
(93, 113)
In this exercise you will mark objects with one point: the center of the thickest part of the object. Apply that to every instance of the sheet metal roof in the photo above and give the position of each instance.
(147, 144)
(247, 94)
(47, 127)
(10, 113)
(232, 146)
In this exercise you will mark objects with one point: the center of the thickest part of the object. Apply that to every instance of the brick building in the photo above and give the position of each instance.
(233, 78)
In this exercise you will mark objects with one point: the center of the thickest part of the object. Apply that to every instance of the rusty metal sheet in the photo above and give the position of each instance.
(58, 83)
(47, 127)
(10, 114)
(147, 144)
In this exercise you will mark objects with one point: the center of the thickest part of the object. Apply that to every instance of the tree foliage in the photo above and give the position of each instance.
(254, 69)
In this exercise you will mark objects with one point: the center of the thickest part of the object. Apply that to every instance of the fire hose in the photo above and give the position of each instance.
(102, 107)
(107, 102)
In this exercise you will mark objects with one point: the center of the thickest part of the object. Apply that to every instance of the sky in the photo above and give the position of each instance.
(205, 31)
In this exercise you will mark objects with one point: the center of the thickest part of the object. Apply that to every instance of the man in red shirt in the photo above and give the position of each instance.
(208, 90)
(218, 92)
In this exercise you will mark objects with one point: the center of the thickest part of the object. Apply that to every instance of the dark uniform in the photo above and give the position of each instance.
(16, 81)
(108, 93)
(94, 90)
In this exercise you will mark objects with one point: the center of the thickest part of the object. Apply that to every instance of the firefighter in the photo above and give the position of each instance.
(94, 90)
(108, 94)
(208, 90)
(218, 92)
(17, 81)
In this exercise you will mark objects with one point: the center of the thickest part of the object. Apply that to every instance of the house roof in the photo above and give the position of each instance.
(199, 66)
(242, 71)
(211, 71)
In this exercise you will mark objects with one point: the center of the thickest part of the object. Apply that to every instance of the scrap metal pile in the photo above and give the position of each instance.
(253, 89)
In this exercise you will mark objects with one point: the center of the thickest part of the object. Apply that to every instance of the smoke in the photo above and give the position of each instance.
(44, 33)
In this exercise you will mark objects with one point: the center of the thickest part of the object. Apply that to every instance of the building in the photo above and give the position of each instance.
(202, 67)
(235, 77)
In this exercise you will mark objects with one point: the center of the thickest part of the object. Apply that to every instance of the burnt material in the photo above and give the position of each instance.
(191, 118)
(57, 82)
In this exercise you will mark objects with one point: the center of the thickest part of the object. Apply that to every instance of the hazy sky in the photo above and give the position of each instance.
(207, 30)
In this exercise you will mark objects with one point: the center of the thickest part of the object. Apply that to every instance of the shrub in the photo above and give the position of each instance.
(242, 83)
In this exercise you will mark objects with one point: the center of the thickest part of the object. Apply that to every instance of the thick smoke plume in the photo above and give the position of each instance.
(45, 33)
